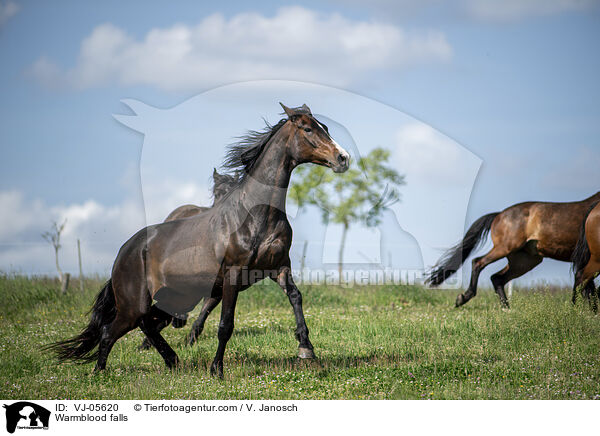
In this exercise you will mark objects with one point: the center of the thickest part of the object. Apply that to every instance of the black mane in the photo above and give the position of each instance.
(241, 156)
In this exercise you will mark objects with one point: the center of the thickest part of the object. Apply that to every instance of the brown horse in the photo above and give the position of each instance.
(524, 233)
(242, 239)
(586, 256)
(222, 183)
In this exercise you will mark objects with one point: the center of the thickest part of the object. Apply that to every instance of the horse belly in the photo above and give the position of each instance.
(192, 270)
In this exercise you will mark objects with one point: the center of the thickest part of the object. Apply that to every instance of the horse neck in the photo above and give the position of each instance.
(268, 181)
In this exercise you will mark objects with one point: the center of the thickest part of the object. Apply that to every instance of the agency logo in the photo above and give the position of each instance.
(26, 415)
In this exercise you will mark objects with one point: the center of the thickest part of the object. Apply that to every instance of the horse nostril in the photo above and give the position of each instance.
(342, 159)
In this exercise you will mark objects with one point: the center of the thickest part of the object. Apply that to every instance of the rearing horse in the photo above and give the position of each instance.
(244, 238)
(524, 233)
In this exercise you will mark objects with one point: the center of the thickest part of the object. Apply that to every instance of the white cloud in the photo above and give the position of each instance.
(428, 157)
(510, 10)
(102, 229)
(16, 215)
(296, 44)
(7, 10)
(161, 198)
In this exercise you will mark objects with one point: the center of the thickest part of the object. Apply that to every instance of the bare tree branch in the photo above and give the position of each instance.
(53, 237)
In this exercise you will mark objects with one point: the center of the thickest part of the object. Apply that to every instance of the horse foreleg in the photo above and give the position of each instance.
(230, 294)
(285, 280)
(198, 326)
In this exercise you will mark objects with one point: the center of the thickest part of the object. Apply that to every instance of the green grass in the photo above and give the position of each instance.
(380, 342)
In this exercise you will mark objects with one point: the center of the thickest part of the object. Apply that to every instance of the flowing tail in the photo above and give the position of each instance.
(581, 253)
(451, 261)
(80, 347)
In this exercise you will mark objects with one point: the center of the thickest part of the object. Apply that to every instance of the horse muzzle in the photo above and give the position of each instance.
(342, 162)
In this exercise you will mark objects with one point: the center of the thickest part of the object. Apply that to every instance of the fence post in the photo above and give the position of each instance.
(65, 283)
(303, 258)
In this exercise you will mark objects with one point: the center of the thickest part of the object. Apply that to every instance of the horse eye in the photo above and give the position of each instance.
(307, 129)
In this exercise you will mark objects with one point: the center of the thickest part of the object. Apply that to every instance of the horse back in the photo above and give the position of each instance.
(548, 229)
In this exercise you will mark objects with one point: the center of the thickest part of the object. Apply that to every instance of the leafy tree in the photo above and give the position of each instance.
(359, 195)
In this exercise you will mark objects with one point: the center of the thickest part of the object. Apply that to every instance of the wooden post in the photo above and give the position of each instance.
(303, 261)
(303, 258)
(65, 282)
(80, 267)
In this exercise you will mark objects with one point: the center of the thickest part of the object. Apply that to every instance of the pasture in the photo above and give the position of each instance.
(372, 342)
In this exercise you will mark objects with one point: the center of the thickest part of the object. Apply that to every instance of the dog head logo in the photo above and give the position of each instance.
(26, 415)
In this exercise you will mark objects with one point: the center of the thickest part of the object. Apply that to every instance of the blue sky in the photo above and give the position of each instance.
(513, 82)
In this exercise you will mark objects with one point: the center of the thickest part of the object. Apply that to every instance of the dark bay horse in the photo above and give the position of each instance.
(524, 233)
(242, 239)
(586, 256)
(222, 183)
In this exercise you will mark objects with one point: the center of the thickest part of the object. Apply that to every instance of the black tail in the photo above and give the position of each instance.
(80, 347)
(451, 261)
(581, 253)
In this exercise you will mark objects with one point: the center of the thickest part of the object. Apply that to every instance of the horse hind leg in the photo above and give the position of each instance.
(130, 302)
(586, 281)
(479, 263)
(110, 334)
(519, 263)
(150, 324)
(198, 325)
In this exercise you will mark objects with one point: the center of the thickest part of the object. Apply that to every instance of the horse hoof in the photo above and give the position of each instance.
(144, 346)
(217, 374)
(460, 300)
(306, 353)
(216, 371)
(173, 364)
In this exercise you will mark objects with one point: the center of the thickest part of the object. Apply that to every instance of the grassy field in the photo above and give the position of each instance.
(383, 342)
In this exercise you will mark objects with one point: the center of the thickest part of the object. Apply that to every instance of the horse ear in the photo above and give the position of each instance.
(215, 173)
(306, 108)
(287, 110)
(218, 178)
